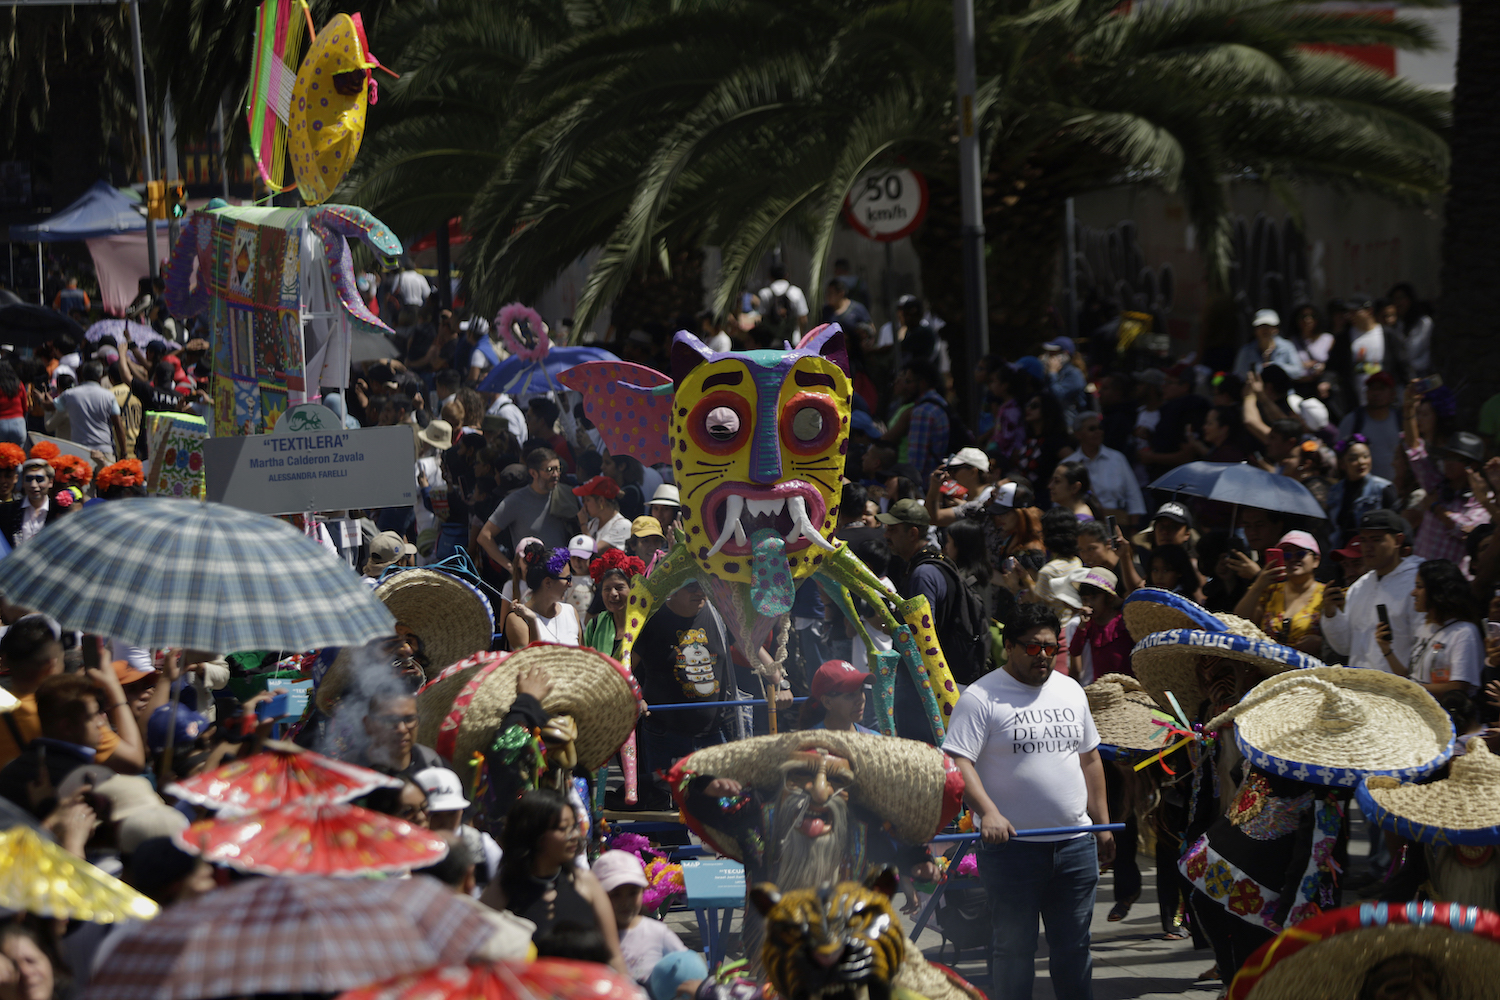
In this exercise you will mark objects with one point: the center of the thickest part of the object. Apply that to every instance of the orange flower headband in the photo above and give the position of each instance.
(124, 473)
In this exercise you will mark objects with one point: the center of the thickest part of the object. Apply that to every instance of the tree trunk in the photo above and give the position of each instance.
(1023, 224)
(1466, 348)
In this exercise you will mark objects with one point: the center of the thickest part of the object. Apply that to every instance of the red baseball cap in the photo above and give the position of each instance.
(599, 486)
(1354, 550)
(837, 677)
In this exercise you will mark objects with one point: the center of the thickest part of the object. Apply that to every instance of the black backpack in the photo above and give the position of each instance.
(778, 315)
(963, 628)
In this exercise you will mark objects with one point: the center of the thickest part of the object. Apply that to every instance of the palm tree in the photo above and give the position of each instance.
(1469, 315)
(738, 124)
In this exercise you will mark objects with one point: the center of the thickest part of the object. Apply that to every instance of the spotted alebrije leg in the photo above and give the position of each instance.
(771, 588)
(911, 656)
(918, 615)
(647, 592)
(881, 665)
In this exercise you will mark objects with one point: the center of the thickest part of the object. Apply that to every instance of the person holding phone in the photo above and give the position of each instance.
(1449, 650)
(1350, 617)
(1284, 599)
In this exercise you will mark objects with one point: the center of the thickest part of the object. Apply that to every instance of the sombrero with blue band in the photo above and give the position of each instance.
(1462, 809)
(1150, 610)
(1166, 662)
(1338, 725)
(1330, 956)
(1122, 713)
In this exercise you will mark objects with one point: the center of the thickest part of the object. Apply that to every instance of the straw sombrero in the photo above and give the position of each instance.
(1122, 713)
(913, 787)
(1463, 808)
(459, 711)
(1328, 956)
(1150, 610)
(1168, 661)
(451, 617)
(1336, 725)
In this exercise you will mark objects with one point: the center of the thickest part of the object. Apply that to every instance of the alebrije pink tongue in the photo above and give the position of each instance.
(771, 589)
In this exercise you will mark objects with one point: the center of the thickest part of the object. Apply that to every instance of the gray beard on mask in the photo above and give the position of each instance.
(1458, 883)
(807, 862)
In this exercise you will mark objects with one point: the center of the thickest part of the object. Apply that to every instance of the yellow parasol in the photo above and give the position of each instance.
(37, 876)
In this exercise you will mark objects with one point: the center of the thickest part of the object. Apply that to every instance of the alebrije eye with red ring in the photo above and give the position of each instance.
(809, 423)
(720, 423)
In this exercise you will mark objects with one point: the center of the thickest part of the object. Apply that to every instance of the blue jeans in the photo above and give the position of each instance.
(13, 431)
(1058, 880)
(451, 537)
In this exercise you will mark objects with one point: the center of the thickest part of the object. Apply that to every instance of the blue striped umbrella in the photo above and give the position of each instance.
(181, 574)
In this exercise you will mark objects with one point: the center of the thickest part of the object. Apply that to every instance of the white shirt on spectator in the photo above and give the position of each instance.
(1113, 480)
(613, 533)
(33, 520)
(1453, 651)
(793, 294)
(1024, 743)
(1352, 631)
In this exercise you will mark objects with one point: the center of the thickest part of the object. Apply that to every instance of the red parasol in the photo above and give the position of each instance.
(544, 979)
(284, 774)
(313, 838)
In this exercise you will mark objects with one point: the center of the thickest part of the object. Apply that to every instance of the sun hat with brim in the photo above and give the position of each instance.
(1101, 579)
(1151, 610)
(1463, 808)
(1167, 662)
(460, 710)
(452, 618)
(1122, 713)
(438, 434)
(1329, 956)
(1337, 725)
(915, 788)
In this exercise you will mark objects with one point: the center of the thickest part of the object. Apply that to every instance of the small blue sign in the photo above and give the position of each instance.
(714, 883)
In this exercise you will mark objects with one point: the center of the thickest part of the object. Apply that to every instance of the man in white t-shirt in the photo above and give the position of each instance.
(1026, 745)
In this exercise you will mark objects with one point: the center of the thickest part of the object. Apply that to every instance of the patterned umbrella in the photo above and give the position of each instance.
(284, 774)
(140, 333)
(544, 979)
(178, 574)
(37, 876)
(292, 935)
(313, 838)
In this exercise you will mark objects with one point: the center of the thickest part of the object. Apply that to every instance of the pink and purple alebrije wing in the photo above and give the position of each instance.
(618, 397)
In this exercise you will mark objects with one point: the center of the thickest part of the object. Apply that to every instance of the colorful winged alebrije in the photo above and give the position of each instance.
(757, 442)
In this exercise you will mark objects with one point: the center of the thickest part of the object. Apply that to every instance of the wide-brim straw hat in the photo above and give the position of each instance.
(1337, 725)
(1150, 610)
(1463, 808)
(1168, 661)
(1329, 956)
(459, 711)
(1122, 713)
(913, 787)
(452, 618)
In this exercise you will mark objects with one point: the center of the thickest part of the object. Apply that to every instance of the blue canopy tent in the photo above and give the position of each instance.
(114, 225)
(102, 211)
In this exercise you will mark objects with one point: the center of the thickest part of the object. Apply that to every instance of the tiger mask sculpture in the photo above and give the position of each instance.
(840, 942)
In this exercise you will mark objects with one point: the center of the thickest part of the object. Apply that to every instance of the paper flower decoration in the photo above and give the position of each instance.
(11, 456)
(70, 470)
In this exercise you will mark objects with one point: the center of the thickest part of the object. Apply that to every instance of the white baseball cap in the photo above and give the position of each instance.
(972, 457)
(1266, 317)
(581, 546)
(445, 792)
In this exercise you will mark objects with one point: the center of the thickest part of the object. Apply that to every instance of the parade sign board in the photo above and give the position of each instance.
(887, 205)
(311, 462)
(714, 882)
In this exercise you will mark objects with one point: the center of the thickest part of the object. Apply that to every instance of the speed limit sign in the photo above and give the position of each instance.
(887, 205)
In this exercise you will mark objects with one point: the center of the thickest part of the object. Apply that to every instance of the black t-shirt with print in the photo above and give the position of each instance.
(682, 660)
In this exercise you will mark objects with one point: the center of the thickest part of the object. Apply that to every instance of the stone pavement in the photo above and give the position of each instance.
(1131, 961)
